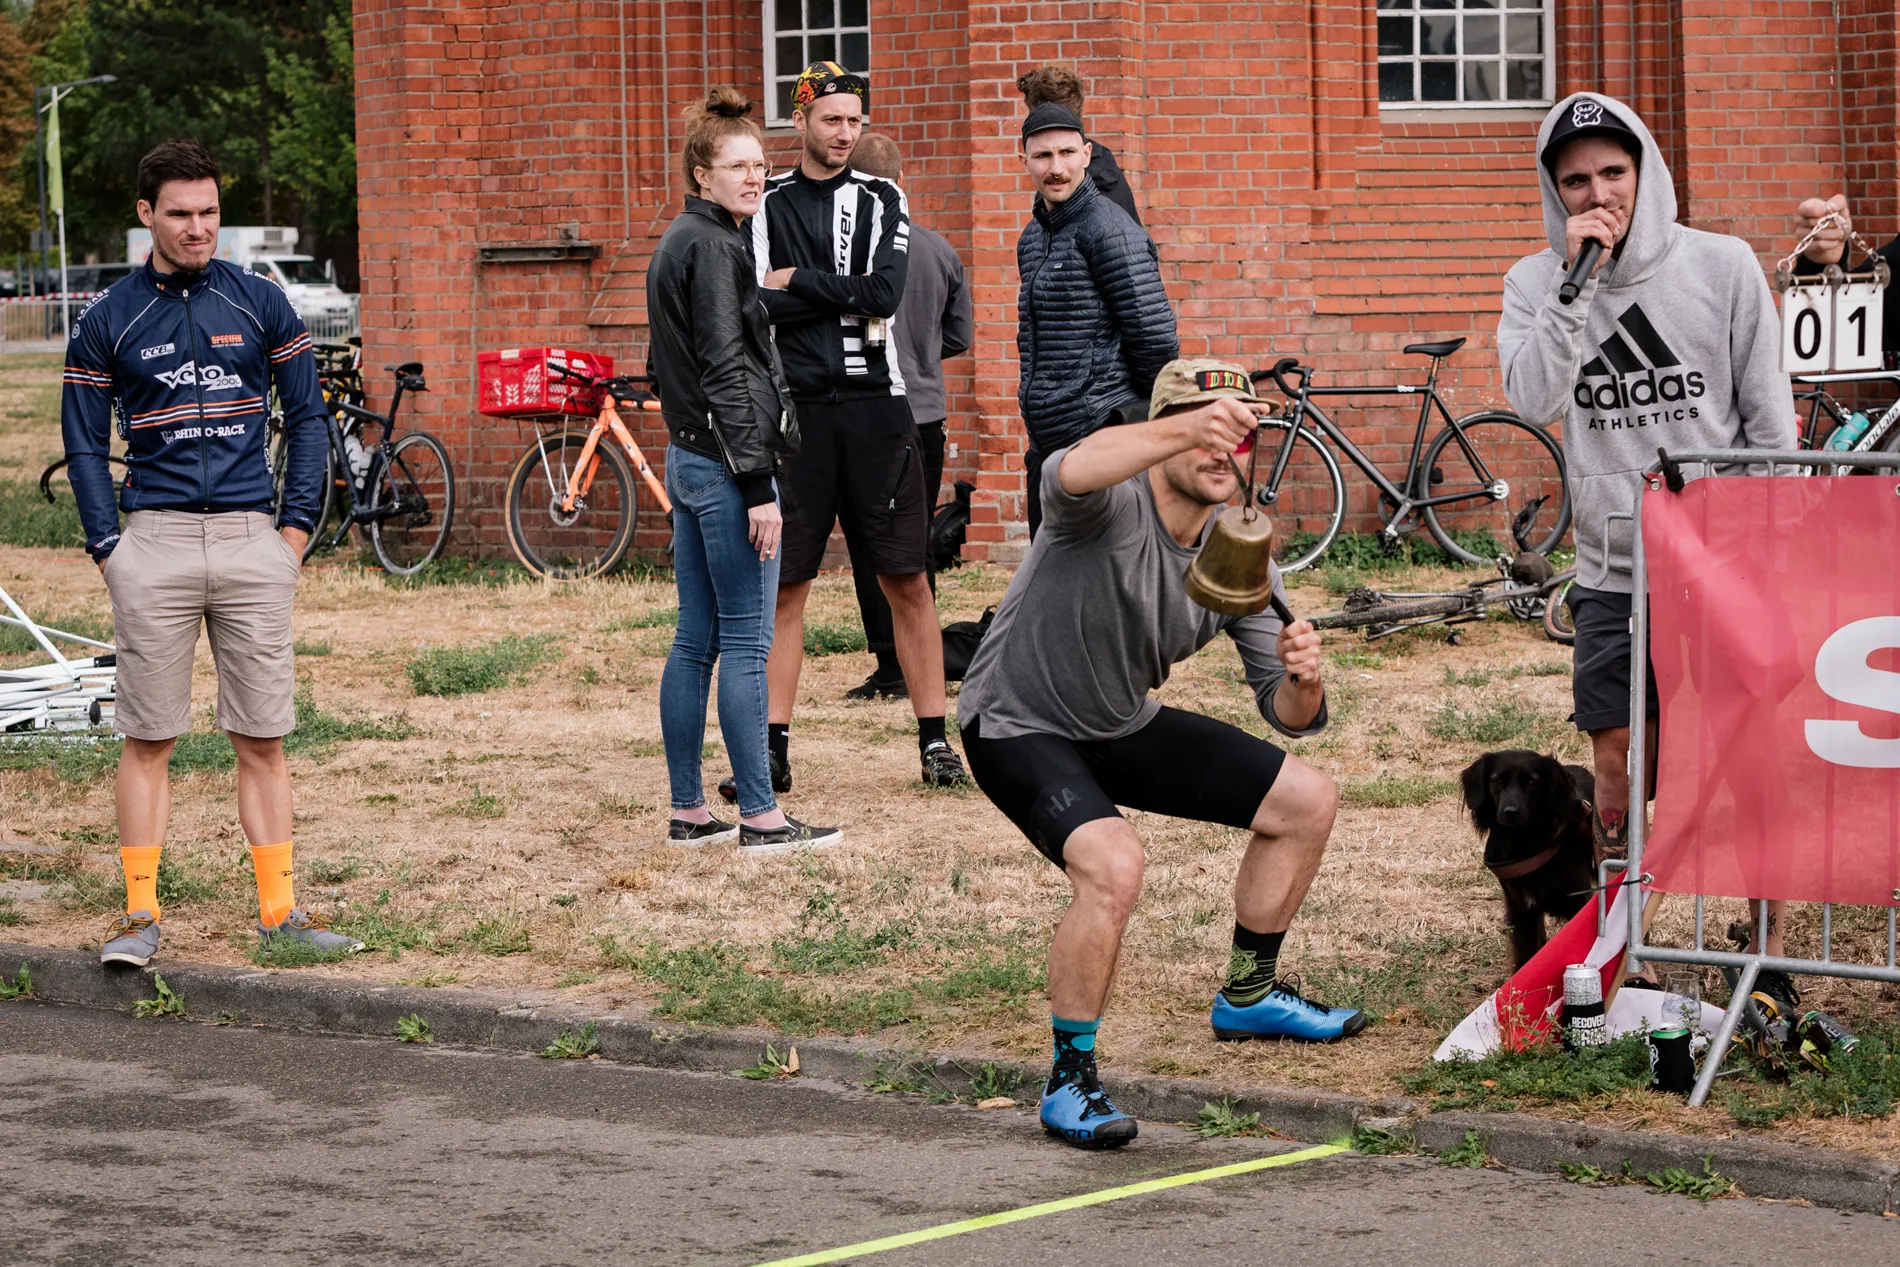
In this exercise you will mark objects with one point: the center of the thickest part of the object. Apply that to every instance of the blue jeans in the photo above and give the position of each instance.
(728, 597)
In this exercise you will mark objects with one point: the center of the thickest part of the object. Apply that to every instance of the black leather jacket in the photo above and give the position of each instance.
(722, 391)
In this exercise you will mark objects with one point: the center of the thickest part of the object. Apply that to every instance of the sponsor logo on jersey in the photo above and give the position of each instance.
(1640, 372)
(227, 340)
(212, 377)
(163, 349)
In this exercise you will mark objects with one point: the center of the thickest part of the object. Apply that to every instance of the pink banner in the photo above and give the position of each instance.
(1775, 633)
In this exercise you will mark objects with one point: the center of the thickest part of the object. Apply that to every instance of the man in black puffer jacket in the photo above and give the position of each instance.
(1093, 324)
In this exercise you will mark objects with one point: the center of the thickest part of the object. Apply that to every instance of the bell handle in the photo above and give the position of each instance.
(1285, 614)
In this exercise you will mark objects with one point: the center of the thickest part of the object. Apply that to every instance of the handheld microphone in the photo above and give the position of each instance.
(1580, 271)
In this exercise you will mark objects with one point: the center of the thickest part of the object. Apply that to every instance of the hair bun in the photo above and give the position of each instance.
(727, 102)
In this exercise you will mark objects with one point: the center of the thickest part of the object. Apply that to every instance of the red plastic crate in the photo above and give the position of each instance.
(516, 382)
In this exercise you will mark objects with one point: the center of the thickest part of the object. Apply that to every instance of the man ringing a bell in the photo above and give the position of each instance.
(1060, 728)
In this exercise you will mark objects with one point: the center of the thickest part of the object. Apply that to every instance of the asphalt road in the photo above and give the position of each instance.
(129, 1141)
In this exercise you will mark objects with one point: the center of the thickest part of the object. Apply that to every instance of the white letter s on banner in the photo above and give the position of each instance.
(1841, 669)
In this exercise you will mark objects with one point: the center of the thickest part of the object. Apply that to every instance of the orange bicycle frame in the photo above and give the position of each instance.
(581, 478)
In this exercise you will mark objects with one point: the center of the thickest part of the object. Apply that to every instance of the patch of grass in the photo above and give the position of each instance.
(1542, 1075)
(1223, 1120)
(183, 879)
(657, 618)
(993, 1080)
(167, 1002)
(488, 572)
(1705, 1186)
(413, 1028)
(70, 760)
(500, 935)
(1388, 791)
(1379, 1142)
(479, 804)
(1484, 677)
(288, 952)
(1860, 1084)
(20, 987)
(711, 984)
(382, 798)
(318, 733)
(305, 648)
(1434, 980)
(1370, 553)
(227, 1017)
(842, 949)
(1470, 1152)
(886, 1079)
(334, 871)
(27, 519)
(450, 671)
(10, 918)
(772, 1065)
(574, 1046)
(380, 926)
(1352, 658)
(15, 641)
(202, 750)
(1594, 1176)
(833, 639)
(573, 978)
(1486, 722)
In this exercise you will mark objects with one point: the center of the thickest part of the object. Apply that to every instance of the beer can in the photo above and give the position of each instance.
(1826, 1034)
(1583, 1008)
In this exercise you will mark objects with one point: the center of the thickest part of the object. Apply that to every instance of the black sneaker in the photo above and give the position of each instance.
(874, 687)
(942, 766)
(693, 835)
(781, 779)
(794, 835)
(1780, 987)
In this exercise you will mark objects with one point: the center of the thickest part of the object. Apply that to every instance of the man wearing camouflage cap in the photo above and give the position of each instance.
(1060, 728)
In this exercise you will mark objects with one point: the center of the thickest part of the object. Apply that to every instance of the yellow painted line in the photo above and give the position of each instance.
(905, 1239)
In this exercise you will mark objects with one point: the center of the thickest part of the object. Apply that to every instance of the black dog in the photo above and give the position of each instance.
(1534, 814)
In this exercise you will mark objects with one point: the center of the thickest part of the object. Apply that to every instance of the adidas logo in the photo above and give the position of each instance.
(1644, 352)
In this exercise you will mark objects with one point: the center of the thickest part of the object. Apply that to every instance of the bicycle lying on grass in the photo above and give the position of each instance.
(403, 495)
(1383, 613)
(1462, 486)
(571, 501)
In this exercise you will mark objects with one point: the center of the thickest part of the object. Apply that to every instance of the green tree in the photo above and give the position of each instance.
(313, 138)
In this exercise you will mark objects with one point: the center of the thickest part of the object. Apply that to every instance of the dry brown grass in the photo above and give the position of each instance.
(541, 808)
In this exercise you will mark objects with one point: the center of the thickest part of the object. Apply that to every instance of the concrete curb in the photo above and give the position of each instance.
(529, 1020)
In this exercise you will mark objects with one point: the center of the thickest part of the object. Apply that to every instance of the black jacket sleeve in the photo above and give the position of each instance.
(1125, 265)
(719, 299)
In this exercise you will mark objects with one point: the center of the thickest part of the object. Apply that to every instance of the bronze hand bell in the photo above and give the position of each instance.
(1233, 573)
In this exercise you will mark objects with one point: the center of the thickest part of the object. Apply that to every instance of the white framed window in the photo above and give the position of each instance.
(800, 32)
(1453, 53)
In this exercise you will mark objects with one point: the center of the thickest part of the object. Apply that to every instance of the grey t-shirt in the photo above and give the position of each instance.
(934, 321)
(1096, 618)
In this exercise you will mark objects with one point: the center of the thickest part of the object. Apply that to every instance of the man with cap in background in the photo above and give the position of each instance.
(935, 322)
(1672, 343)
(1063, 86)
(832, 250)
(1060, 726)
(1093, 324)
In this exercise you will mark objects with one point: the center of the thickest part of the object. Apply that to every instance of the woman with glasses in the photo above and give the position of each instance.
(729, 420)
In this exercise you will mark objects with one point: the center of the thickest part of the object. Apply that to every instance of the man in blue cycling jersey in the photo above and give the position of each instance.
(183, 355)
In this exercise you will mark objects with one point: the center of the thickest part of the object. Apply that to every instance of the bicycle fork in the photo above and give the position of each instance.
(581, 478)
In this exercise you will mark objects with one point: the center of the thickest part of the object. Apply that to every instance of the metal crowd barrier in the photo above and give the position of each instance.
(1740, 967)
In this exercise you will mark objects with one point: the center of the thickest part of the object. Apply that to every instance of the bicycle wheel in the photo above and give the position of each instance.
(1372, 608)
(46, 478)
(1526, 458)
(1560, 624)
(565, 545)
(417, 489)
(327, 499)
(1309, 504)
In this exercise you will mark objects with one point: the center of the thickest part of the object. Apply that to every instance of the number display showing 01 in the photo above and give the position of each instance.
(1831, 329)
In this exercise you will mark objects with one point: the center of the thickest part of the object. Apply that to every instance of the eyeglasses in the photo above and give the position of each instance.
(744, 169)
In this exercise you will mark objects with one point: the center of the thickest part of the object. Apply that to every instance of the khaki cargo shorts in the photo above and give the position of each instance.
(234, 573)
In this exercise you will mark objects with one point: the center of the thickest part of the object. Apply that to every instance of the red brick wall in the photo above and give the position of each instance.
(1292, 217)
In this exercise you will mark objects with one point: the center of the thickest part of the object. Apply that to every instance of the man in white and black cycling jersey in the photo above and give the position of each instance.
(831, 246)
(1060, 727)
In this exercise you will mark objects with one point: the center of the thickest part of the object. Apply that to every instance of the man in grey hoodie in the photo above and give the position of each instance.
(1673, 343)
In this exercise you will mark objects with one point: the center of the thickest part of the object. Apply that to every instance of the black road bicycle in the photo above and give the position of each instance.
(400, 491)
(1483, 482)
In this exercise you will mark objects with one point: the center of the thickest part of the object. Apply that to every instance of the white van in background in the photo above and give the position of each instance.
(326, 309)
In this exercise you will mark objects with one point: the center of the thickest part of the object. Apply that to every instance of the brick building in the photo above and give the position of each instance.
(517, 161)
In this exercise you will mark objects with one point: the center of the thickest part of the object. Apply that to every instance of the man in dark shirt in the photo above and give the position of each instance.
(934, 323)
(832, 248)
(1062, 86)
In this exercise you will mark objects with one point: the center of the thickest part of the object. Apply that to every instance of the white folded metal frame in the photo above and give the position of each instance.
(1739, 967)
(63, 698)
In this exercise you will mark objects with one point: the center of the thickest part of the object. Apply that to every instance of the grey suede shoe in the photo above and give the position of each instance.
(312, 931)
(132, 939)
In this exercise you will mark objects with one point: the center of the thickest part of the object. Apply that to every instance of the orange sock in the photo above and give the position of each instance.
(141, 879)
(272, 863)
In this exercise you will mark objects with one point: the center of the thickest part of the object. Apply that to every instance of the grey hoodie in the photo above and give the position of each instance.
(1674, 344)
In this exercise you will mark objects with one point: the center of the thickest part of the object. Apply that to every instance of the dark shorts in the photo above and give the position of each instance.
(859, 466)
(1600, 678)
(1180, 764)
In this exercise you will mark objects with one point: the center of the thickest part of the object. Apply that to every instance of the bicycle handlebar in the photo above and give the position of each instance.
(1282, 367)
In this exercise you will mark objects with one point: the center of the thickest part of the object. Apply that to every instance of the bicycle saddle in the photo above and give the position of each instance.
(407, 367)
(1444, 348)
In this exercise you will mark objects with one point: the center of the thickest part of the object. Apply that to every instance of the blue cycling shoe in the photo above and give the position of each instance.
(1283, 1014)
(1080, 1113)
